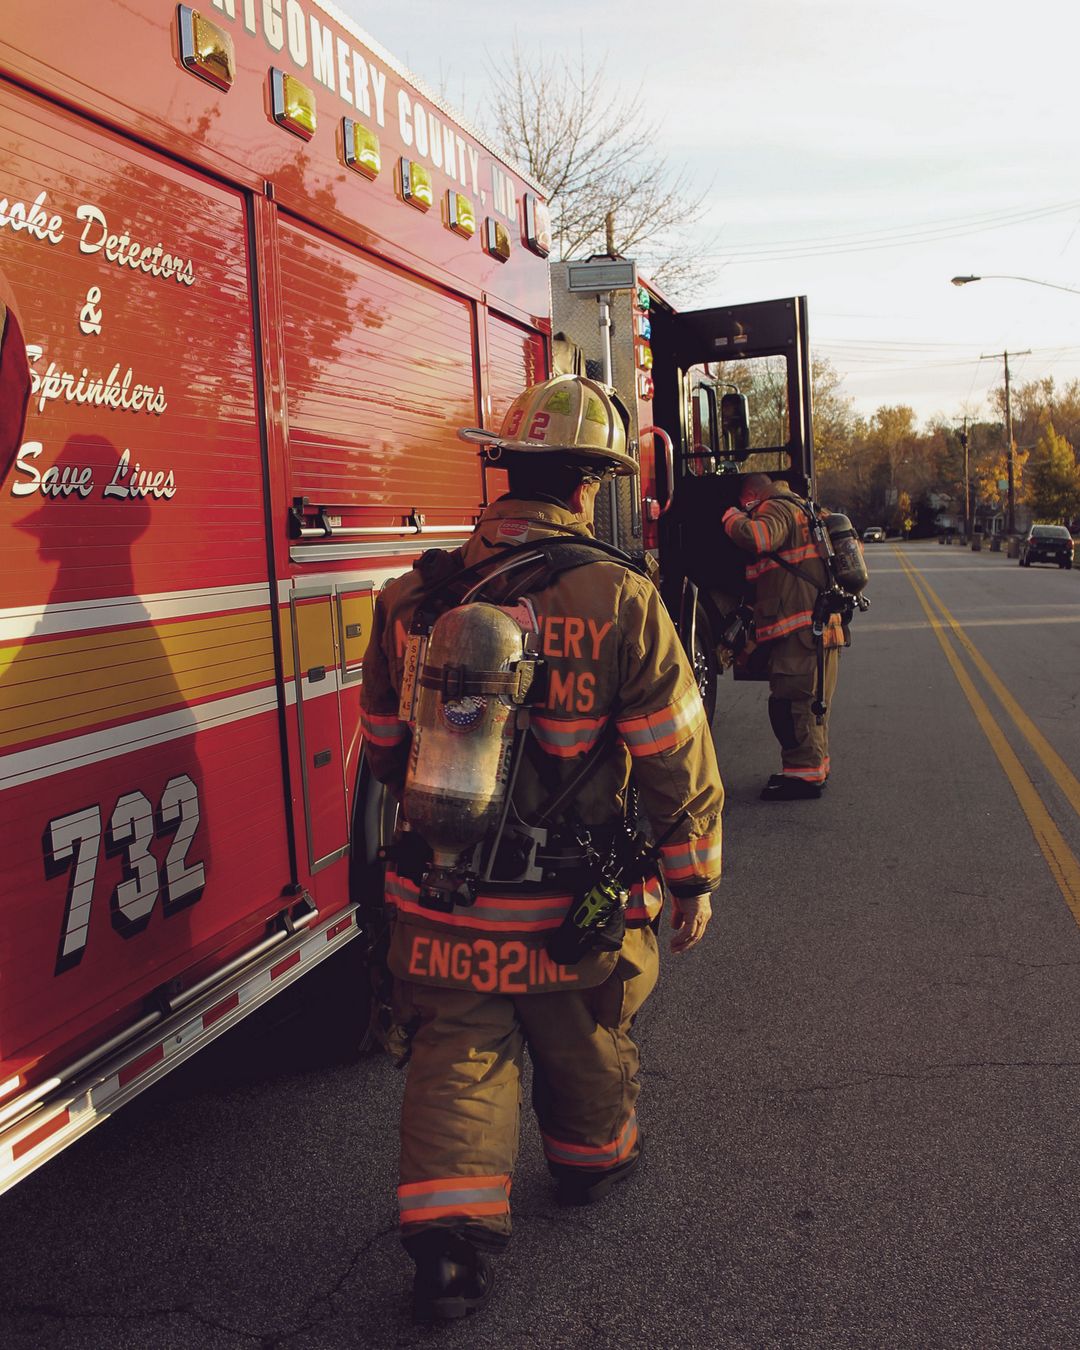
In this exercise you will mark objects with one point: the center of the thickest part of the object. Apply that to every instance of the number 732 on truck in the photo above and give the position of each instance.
(260, 276)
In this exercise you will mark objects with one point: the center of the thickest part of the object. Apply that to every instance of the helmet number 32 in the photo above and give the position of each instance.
(538, 427)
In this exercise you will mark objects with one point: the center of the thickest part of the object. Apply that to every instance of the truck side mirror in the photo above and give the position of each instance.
(735, 425)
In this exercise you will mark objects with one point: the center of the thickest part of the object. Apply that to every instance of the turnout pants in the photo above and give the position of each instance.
(459, 1122)
(804, 745)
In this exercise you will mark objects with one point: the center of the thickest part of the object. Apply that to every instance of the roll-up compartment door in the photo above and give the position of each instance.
(380, 373)
(516, 358)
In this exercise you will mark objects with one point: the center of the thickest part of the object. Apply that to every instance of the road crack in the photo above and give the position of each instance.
(321, 1307)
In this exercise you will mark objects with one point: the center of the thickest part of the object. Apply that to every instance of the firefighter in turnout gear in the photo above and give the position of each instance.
(789, 574)
(543, 938)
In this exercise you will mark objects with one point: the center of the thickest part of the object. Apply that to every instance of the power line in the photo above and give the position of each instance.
(870, 356)
(873, 369)
(941, 222)
(741, 254)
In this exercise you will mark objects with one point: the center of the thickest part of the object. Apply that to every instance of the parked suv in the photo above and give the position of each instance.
(1048, 544)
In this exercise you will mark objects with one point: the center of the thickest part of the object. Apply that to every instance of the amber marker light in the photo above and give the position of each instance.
(496, 239)
(293, 104)
(361, 148)
(416, 185)
(460, 215)
(205, 49)
(537, 225)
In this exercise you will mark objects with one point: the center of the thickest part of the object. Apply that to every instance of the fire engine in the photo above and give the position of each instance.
(263, 275)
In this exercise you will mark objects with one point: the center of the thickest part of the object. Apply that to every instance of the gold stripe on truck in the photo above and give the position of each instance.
(59, 686)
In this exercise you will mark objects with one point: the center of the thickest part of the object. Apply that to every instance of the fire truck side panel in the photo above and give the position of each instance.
(142, 820)
(379, 374)
(315, 643)
(354, 616)
(125, 873)
(379, 371)
(123, 62)
(179, 353)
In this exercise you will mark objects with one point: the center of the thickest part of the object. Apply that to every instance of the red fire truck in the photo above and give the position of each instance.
(263, 276)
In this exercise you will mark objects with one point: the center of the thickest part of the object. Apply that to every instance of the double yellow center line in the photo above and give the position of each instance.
(1059, 857)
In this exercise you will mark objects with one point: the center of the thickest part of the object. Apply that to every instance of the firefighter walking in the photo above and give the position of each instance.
(540, 934)
(789, 575)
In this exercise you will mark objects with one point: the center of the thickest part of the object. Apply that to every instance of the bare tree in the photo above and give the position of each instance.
(593, 152)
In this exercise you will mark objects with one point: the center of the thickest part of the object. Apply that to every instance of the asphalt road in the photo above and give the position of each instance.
(860, 1095)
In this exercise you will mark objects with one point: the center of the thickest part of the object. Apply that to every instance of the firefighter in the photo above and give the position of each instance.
(772, 523)
(475, 982)
(14, 381)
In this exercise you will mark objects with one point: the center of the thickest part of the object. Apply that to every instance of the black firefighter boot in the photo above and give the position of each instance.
(452, 1278)
(574, 1187)
(783, 788)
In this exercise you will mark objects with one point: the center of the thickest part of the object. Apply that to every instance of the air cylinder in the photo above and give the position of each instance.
(849, 565)
(463, 730)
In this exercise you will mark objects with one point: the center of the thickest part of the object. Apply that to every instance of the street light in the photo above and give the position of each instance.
(997, 276)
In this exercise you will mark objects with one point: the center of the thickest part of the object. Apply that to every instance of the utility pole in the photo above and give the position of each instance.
(1010, 513)
(967, 481)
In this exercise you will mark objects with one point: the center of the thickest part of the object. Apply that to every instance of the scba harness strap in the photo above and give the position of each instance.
(452, 585)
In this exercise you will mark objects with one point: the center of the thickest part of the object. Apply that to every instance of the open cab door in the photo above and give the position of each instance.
(733, 391)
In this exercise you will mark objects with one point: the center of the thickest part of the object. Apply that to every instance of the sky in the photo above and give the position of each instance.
(858, 152)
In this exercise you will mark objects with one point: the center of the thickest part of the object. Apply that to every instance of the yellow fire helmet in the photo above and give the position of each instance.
(569, 415)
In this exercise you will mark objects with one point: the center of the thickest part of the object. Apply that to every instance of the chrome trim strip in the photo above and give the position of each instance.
(95, 1092)
(343, 552)
(334, 857)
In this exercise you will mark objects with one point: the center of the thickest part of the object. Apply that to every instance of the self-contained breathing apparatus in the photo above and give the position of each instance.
(472, 672)
(838, 547)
